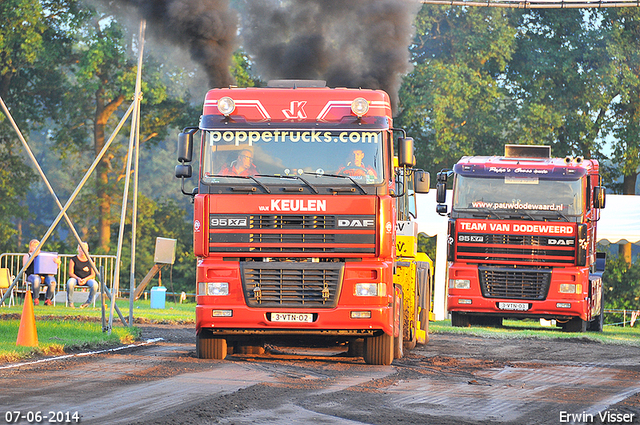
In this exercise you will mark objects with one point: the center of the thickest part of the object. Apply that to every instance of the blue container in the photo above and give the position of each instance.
(158, 296)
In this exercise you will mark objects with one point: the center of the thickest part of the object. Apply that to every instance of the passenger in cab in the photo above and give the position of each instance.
(242, 166)
(355, 166)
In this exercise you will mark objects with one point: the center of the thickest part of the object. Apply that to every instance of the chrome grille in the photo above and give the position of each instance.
(291, 284)
(515, 249)
(522, 284)
(292, 221)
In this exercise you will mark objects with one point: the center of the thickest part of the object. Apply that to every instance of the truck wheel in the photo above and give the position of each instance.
(597, 324)
(398, 341)
(378, 350)
(356, 348)
(424, 321)
(459, 320)
(249, 349)
(412, 333)
(208, 347)
(491, 321)
(424, 315)
(576, 324)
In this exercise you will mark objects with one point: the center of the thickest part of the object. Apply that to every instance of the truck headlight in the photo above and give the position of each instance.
(459, 284)
(226, 106)
(570, 288)
(213, 288)
(359, 107)
(366, 290)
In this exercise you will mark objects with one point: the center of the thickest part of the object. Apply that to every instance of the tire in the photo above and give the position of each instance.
(575, 325)
(459, 320)
(425, 325)
(208, 347)
(412, 340)
(378, 350)
(356, 348)
(597, 324)
(424, 314)
(398, 346)
(249, 349)
(491, 321)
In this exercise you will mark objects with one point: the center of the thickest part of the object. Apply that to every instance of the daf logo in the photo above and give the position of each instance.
(355, 223)
(560, 242)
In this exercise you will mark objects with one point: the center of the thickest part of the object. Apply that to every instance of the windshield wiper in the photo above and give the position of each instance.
(486, 211)
(522, 213)
(258, 182)
(340, 176)
(559, 215)
(292, 177)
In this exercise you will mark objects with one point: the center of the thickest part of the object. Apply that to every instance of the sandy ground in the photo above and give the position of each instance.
(452, 380)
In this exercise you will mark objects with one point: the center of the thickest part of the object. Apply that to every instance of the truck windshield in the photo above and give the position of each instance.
(357, 154)
(524, 195)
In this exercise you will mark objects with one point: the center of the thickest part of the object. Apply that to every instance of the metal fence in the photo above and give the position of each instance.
(628, 316)
(13, 262)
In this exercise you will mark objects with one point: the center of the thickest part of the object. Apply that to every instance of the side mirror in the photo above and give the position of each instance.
(599, 196)
(443, 176)
(441, 209)
(183, 171)
(441, 193)
(185, 144)
(405, 152)
(421, 181)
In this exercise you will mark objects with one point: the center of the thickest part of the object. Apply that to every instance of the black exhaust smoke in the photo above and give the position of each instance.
(348, 43)
(207, 28)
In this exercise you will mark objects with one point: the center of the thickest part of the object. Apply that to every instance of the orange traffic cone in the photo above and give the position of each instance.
(27, 333)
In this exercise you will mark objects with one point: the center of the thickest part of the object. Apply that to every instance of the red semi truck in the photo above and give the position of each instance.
(295, 219)
(522, 239)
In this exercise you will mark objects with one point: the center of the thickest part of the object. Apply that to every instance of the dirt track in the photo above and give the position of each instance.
(453, 380)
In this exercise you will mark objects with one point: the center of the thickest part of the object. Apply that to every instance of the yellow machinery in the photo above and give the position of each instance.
(413, 269)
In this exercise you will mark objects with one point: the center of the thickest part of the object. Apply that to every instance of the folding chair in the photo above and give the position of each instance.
(5, 282)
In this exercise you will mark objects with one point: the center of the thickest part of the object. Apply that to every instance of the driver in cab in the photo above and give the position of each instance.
(242, 166)
(355, 167)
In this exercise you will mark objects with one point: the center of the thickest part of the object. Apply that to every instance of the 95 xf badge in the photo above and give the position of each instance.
(227, 221)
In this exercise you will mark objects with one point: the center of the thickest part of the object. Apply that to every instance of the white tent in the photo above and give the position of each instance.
(619, 221)
(432, 224)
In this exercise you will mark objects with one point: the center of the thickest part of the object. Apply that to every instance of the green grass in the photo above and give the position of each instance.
(62, 329)
(56, 337)
(532, 329)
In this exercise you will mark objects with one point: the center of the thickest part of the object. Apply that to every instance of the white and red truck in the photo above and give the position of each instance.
(522, 239)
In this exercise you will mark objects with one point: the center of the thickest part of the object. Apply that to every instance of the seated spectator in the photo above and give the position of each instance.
(35, 280)
(81, 274)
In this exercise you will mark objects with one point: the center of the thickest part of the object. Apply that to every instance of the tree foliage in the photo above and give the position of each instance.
(164, 218)
(452, 102)
(99, 90)
(623, 45)
(621, 283)
(486, 77)
(34, 40)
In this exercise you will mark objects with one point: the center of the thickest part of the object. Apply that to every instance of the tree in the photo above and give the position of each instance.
(34, 40)
(623, 45)
(621, 285)
(560, 74)
(163, 218)
(101, 85)
(452, 102)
